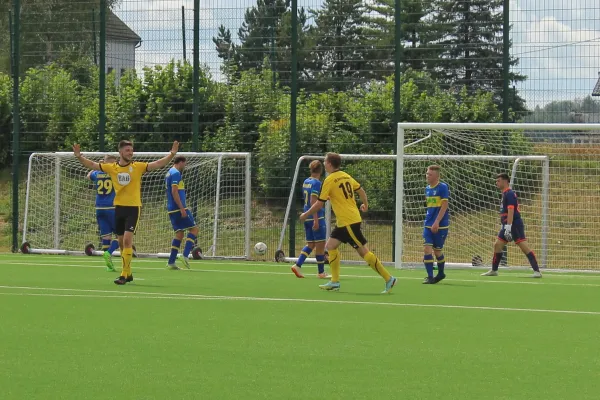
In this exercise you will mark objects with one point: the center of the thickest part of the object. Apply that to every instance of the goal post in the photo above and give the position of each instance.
(60, 214)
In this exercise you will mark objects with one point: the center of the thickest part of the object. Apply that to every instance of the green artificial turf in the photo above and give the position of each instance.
(241, 330)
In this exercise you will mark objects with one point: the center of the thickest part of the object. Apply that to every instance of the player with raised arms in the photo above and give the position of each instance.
(181, 217)
(126, 177)
(512, 228)
(314, 227)
(339, 189)
(437, 221)
(105, 211)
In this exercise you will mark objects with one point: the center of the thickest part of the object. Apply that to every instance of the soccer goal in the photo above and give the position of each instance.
(60, 213)
(554, 169)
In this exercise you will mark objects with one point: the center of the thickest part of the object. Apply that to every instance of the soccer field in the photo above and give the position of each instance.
(241, 330)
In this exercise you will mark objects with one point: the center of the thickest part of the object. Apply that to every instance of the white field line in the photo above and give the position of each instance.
(182, 296)
(540, 282)
(94, 261)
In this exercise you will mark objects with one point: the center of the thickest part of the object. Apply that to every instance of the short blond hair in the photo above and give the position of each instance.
(334, 159)
(316, 167)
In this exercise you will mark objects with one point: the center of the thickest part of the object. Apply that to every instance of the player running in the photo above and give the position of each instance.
(314, 227)
(105, 211)
(437, 221)
(181, 216)
(512, 228)
(339, 188)
(126, 177)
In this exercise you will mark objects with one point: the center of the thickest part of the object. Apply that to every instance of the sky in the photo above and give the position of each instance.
(557, 42)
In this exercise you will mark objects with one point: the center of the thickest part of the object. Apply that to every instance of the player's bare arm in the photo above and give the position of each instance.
(314, 209)
(89, 175)
(314, 199)
(163, 162)
(89, 164)
(364, 207)
(443, 209)
(177, 199)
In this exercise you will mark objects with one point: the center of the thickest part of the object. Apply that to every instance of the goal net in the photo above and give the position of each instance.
(60, 205)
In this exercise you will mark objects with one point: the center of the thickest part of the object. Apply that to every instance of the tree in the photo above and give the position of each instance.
(416, 35)
(341, 50)
(469, 33)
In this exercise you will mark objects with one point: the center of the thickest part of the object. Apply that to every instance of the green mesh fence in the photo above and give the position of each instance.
(232, 61)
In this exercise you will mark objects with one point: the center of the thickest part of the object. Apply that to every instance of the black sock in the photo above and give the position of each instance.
(496, 261)
(533, 261)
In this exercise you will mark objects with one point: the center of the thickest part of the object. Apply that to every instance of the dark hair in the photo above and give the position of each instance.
(503, 176)
(316, 167)
(435, 168)
(179, 159)
(334, 159)
(125, 143)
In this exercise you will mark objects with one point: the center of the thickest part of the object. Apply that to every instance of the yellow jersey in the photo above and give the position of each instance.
(339, 188)
(127, 182)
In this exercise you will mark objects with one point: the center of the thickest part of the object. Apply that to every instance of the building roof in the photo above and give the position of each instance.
(118, 30)
(596, 91)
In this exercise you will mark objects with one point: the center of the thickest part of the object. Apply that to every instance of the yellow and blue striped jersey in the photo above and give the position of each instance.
(434, 197)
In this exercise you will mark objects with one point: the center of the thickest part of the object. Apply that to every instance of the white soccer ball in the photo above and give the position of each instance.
(260, 248)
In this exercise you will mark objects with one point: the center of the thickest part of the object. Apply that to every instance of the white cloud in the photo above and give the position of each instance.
(558, 45)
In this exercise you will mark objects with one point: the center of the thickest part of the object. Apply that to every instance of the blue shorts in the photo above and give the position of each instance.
(180, 224)
(435, 240)
(320, 235)
(106, 221)
(517, 230)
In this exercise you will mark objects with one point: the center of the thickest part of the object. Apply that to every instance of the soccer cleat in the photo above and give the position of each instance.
(129, 278)
(296, 270)
(185, 261)
(331, 286)
(173, 267)
(323, 275)
(491, 272)
(537, 274)
(429, 281)
(108, 260)
(121, 280)
(439, 278)
(389, 285)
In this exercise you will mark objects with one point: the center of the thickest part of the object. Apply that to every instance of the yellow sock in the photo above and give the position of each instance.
(126, 257)
(334, 264)
(376, 265)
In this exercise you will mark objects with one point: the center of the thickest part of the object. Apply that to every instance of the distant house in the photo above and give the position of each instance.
(121, 43)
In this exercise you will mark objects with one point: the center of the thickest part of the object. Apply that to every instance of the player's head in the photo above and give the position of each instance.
(333, 162)
(316, 168)
(109, 159)
(126, 150)
(502, 181)
(179, 163)
(433, 174)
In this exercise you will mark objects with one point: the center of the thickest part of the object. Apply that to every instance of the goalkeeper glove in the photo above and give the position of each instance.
(508, 232)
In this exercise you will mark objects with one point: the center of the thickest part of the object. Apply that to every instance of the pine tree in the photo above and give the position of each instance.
(340, 56)
(415, 34)
(469, 34)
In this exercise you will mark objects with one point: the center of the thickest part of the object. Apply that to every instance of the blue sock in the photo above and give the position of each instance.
(175, 244)
(189, 244)
(105, 244)
(428, 260)
(303, 254)
(321, 263)
(441, 263)
(114, 245)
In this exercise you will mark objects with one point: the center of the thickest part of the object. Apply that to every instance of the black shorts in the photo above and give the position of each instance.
(126, 219)
(350, 234)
